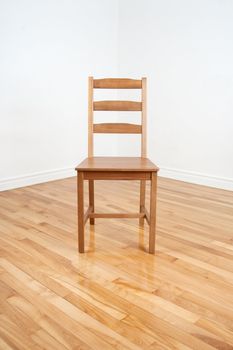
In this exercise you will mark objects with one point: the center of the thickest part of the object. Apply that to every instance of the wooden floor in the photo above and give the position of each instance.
(116, 296)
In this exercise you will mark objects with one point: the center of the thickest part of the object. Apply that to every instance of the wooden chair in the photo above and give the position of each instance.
(117, 168)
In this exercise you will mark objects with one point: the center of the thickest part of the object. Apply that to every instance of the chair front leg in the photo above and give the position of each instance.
(91, 199)
(153, 193)
(80, 189)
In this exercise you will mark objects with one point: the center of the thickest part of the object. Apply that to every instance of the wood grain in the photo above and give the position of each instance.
(143, 148)
(117, 215)
(90, 117)
(81, 218)
(142, 200)
(117, 83)
(91, 199)
(144, 119)
(153, 193)
(117, 106)
(117, 128)
(116, 175)
(116, 296)
(117, 163)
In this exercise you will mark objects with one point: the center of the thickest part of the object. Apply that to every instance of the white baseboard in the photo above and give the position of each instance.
(35, 178)
(197, 178)
(56, 174)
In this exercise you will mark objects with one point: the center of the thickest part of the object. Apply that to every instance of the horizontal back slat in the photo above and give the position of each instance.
(117, 106)
(121, 83)
(117, 128)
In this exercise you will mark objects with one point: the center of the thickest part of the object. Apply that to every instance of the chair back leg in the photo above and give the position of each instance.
(142, 200)
(91, 199)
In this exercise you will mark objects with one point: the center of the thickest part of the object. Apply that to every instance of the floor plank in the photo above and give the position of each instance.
(116, 295)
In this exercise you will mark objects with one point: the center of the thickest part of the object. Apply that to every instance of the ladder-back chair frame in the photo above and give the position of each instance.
(118, 128)
(91, 170)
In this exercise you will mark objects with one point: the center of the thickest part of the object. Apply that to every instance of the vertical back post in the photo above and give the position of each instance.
(144, 124)
(143, 150)
(90, 117)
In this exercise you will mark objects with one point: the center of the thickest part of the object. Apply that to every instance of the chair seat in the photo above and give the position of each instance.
(117, 164)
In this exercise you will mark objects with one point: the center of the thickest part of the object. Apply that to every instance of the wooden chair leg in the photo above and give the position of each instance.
(91, 199)
(80, 212)
(142, 199)
(153, 192)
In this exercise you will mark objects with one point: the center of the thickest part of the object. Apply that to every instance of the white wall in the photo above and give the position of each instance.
(47, 50)
(185, 48)
(49, 47)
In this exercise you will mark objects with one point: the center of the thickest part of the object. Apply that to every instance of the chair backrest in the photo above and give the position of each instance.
(117, 128)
